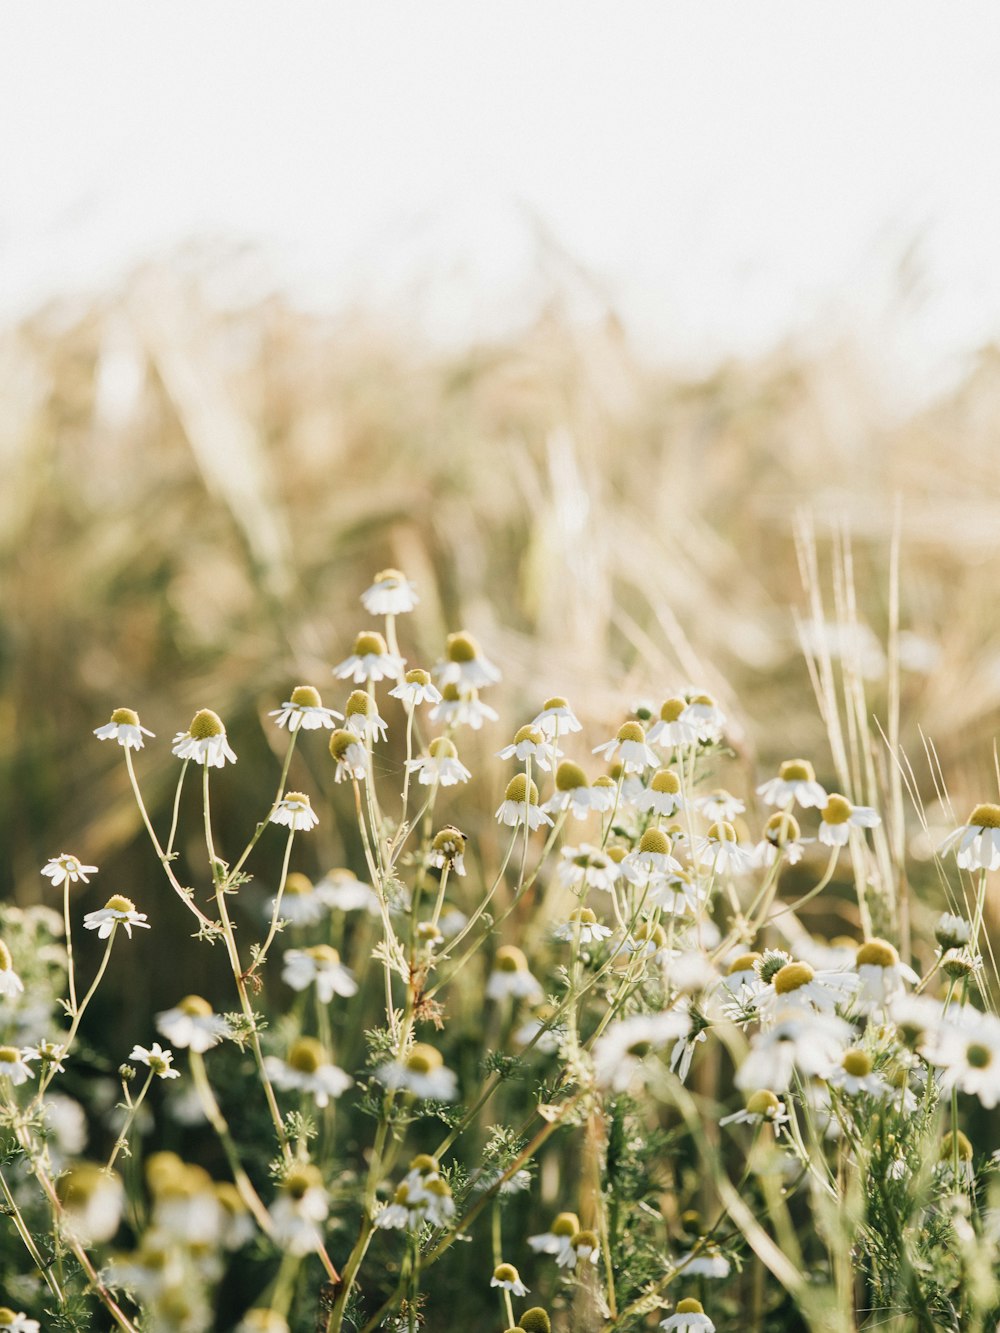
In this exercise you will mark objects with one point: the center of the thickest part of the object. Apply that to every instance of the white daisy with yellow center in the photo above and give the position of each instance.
(391, 594)
(621, 1050)
(556, 718)
(295, 811)
(795, 783)
(126, 729)
(304, 711)
(840, 816)
(511, 976)
(462, 707)
(156, 1059)
(204, 741)
(669, 731)
(689, 1317)
(117, 911)
(192, 1025)
(977, 843)
(318, 966)
(67, 869)
(371, 660)
(440, 765)
(630, 747)
(421, 1071)
(520, 805)
(308, 1069)
(415, 688)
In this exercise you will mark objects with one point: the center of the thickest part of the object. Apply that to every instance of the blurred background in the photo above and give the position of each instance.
(576, 317)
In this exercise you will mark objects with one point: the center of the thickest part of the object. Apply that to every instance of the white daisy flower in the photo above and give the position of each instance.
(651, 862)
(587, 867)
(629, 744)
(421, 1072)
(157, 1059)
(92, 1200)
(118, 910)
(464, 664)
(440, 765)
(520, 805)
(124, 728)
(669, 731)
(762, 1108)
(706, 1262)
(391, 594)
(559, 1239)
(462, 708)
(65, 868)
(719, 804)
(782, 838)
(204, 741)
(620, 1050)
(572, 792)
(720, 850)
(350, 755)
(14, 1064)
(977, 843)
(507, 1277)
(556, 717)
(191, 1025)
(319, 966)
(10, 983)
(531, 743)
(308, 1070)
(881, 975)
(301, 902)
(800, 1039)
(952, 932)
(295, 811)
(416, 688)
(604, 793)
(663, 795)
(647, 939)
(370, 660)
(584, 1248)
(840, 816)
(299, 1209)
(796, 781)
(798, 985)
(363, 717)
(966, 1047)
(582, 926)
(742, 977)
(689, 1317)
(448, 850)
(705, 715)
(854, 1073)
(341, 889)
(305, 710)
(17, 1321)
(511, 976)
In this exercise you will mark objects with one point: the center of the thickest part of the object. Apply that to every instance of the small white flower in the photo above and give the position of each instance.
(440, 765)
(853, 1074)
(416, 688)
(462, 708)
(520, 805)
(977, 843)
(464, 664)
(157, 1059)
(421, 1072)
(295, 811)
(720, 850)
(651, 862)
(671, 730)
(507, 1277)
(705, 715)
(301, 903)
(124, 728)
(343, 890)
(14, 1064)
(952, 932)
(308, 1070)
(391, 594)
(582, 926)
(800, 1039)
(370, 660)
(584, 1248)
(531, 743)
(967, 1048)
(118, 910)
(629, 744)
(204, 741)
(363, 718)
(663, 795)
(511, 976)
(840, 816)
(708, 1262)
(11, 1322)
(560, 1239)
(621, 1049)
(719, 804)
(797, 985)
(556, 718)
(10, 983)
(191, 1025)
(448, 850)
(321, 967)
(690, 1317)
(305, 710)
(881, 975)
(589, 867)
(299, 1209)
(92, 1200)
(742, 978)
(796, 781)
(762, 1108)
(65, 868)
(350, 755)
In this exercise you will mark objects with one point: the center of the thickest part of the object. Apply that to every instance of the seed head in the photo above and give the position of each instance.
(569, 776)
(536, 1320)
(666, 780)
(631, 731)
(521, 791)
(656, 841)
(306, 697)
(985, 816)
(205, 724)
(417, 677)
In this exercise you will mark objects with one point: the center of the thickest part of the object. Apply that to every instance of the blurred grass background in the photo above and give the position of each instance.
(196, 492)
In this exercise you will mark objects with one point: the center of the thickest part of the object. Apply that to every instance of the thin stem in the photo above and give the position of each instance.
(133, 1111)
(70, 968)
(29, 1243)
(262, 955)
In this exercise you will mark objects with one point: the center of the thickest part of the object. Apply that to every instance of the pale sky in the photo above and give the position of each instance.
(725, 174)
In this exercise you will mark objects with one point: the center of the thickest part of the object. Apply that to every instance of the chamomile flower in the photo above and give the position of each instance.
(689, 1317)
(705, 715)
(796, 782)
(977, 843)
(370, 660)
(66, 868)
(12, 1321)
(421, 1071)
(840, 816)
(341, 889)
(191, 1025)
(440, 765)
(629, 745)
(124, 728)
(415, 688)
(299, 1209)
(647, 938)
(462, 708)
(604, 794)
(464, 664)
(720, 804)
(881, 975)
(204, 741)
(797, 985)
(854, 1074)
(556, 717)
(117, 911)
(301, 904)
(520, 805)
(763, 1107)
(349, 755)
(363, 718)
(559, 1239)
(670, 731)
(663, 795)
(305, 711)
(582, 926)
(588, 868)
(531, 743)
(583, 1248)
(295, 811)
(511, 977)
(391, 594)
(14, 1064)
(651, 862)
(708, 1261)
(308, 1070)
(156, 1059)
(406, 1212)
(967, 1050)
(10, 983)
(319, 966)
(507, 1277)
(92, 1199)
(720, 850)
(260, 1320)
(782, 838)
(742, 977)
(448, 850)
(799, 1039)
(572, 792)
(622, 1048)
(952, 932)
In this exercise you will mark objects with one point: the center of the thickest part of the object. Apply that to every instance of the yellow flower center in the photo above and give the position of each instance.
(462, 647)
(837, 810)
(569, 776)
(520, 791)
(297, 884)
(119, 903)
(792, 977)
(745, 962)
(557, 701)
(6, 962)
(978, 1056)
(797, 770)
(305, 696)
(690, 1306)
(948, 1146)
(781, 829)
(664, 780)
(876, 953)
(449, 840)
(566, 1224)
(505, 1273)
(763, 1102)
(126, 716)
(529, 733)
(9, 1055)
(584, 915)
(418, 677)
(656, 841)
(510, 959)
(370, 644)
(856, 1062)
(586, 1239)
(359, 702)
(985, 816)
(671, 709)
(205, 724)
(389, 576)
(722, 831)
(631, 731)
(195, 1006)
(645, 932)
(340, 742)
(324, 953)
(424, 1162)
(442, 748)
(422, 1059)
(301, 1179)
(306, 1055)
(297, 798)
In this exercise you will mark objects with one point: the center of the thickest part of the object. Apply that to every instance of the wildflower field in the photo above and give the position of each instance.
(502, 840)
